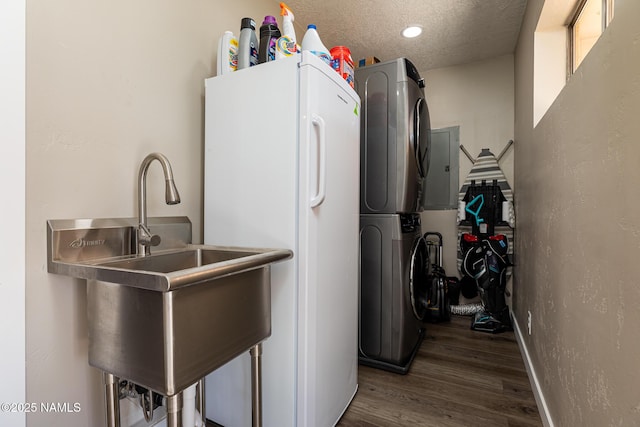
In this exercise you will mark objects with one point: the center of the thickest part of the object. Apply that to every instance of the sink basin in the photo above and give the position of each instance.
(175, 268)
(167, 319)
(182, 259)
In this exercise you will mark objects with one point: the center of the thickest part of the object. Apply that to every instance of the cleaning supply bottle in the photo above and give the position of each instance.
(269, 34)
(227, 53)
(247, 44)
(286, 45)
(341, 62)
(311, 42)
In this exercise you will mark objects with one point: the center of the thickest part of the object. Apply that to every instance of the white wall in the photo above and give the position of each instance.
(479, 98)
(550, 68)
(107, 83)
(12, 175)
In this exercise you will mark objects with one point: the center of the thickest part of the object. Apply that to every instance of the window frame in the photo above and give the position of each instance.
(607, 8)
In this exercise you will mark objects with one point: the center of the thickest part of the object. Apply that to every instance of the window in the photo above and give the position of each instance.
(588, 23)
(566, 31)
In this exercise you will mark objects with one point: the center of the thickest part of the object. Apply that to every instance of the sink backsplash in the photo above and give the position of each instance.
(84, 240)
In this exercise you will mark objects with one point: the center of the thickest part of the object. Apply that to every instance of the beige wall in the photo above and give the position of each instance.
(478, 97)
(577, 211)
(107, 83)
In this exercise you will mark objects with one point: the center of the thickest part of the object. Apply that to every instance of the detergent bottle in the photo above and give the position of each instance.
(227, 53)
(269, 34)
(247, 44)
(311, 42)
(286, 45)
(341, 62)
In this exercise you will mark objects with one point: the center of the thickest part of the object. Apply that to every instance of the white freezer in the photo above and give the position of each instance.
(282, 170)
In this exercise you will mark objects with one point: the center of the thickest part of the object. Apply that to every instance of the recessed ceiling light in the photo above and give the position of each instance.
(412, 31)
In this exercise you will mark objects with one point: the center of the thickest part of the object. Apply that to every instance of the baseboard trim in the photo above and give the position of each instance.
(533, 378)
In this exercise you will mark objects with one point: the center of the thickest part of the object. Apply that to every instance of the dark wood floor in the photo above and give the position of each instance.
(459, 378)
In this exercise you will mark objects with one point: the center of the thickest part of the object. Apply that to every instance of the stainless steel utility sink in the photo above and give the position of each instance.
(167, 319)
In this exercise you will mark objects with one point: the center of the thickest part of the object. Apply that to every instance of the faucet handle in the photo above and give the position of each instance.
(146, 238)
(154, 240)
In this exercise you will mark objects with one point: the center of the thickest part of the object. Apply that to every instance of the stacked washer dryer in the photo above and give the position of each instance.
(394, 156)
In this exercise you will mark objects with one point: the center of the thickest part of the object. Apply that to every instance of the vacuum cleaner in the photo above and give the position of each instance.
(484, 256)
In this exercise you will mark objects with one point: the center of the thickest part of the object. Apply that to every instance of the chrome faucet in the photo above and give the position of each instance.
(145, 238)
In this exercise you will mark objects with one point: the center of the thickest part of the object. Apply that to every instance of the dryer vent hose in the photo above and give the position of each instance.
(466, 309)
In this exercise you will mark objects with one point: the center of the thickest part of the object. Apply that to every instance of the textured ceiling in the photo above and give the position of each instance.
(454, 31)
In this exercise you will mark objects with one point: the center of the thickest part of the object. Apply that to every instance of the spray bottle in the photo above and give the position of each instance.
(286, 45)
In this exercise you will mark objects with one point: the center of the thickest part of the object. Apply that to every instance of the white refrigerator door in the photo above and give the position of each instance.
(328, 245)
(279, 138)
(251, 199)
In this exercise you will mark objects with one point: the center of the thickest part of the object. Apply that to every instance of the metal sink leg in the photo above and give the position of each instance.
(202, 401)
(174, 410)
(256, 385)
(111, 392)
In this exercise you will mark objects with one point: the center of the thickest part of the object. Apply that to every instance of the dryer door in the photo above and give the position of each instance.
(418, 286)
(421, 136)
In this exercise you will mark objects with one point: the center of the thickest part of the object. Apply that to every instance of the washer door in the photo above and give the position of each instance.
(418, 274)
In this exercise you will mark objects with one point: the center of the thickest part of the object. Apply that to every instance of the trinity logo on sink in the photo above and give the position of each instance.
(81, 243)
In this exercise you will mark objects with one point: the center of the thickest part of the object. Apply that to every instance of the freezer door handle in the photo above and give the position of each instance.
(321, 172)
